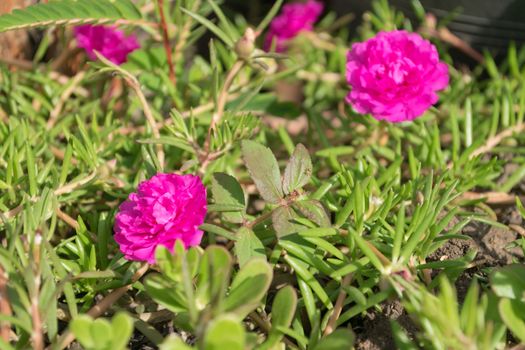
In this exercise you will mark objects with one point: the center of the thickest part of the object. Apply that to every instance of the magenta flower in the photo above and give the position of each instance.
(394, 76)
(112, 43)
(165, 208)
(294, 18)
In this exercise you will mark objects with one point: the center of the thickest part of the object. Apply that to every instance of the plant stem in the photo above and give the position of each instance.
(166, 42)
(37, 335)
(5, 306)
(134, 84)
(221, 101)
(332, 322)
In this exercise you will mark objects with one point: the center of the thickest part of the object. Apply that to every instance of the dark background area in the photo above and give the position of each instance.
(484, 24)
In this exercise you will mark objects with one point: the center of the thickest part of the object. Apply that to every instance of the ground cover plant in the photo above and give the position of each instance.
(174, 177)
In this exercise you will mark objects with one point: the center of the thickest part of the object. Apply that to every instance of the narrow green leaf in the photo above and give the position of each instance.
(211, 26)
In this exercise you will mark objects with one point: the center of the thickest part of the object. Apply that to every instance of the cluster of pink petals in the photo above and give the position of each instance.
(112, 43)
(394, 76)
(165, 208)
(294, 18)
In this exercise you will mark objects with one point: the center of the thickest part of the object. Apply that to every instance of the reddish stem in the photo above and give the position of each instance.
(165, 39)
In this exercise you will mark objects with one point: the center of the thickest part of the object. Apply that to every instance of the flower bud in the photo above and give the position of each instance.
(245, 46)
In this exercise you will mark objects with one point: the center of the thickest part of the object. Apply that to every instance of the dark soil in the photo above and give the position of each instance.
(491, 244)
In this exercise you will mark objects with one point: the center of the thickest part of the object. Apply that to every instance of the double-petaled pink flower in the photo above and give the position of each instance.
(395, 76)
(112, 43)
(293, 19)
(165, 208)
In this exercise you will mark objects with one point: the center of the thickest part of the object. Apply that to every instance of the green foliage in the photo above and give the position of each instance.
(316, 215)
(508, 283)
(70, 12)
(101, 334)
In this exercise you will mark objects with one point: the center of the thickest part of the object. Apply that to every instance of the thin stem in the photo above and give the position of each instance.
(100, 308)
(5, 305)
(221, 101)
(55, 113)
(265, 326)
(332, 322)
(67, 219)
(496, 139)
(134, 84)
(166, 42)
(37, 335)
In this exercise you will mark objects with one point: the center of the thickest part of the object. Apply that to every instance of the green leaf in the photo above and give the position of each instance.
(509, 282)
(218, 231)
(225, 332)
(162, 291)
(248, 246)
(269, 16)
(101, 333)
(172, 342)
(264, 170)
(226, 190)
(283, 311)
(314, 211)
(214, 275)
(122, 326)
(80, 327)
(249, 287)
(65, 12)
(211, 26)
(340, 339)
(303, 273)
(298, 170)
(512, 312)
(283, 220)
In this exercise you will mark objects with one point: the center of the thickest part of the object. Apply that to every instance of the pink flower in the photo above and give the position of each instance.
(394, 76)
(165, 208)
(294, 18)
(109, 41)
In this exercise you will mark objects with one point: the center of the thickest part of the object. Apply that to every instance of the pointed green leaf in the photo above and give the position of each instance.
(283, 221)
(298, 170)
(264, 170)
(248, 246)
(211, 26)
(314, 211)
(226, 190)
